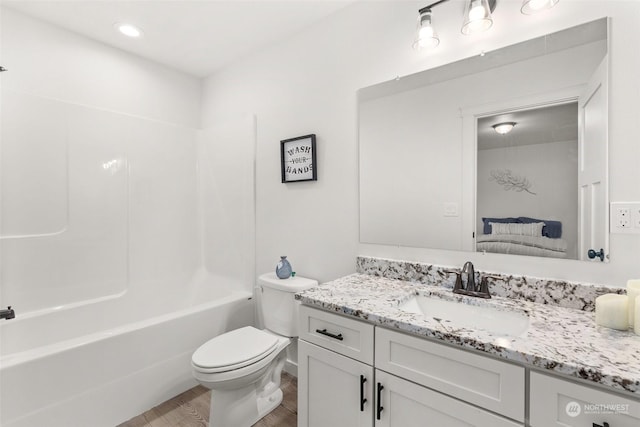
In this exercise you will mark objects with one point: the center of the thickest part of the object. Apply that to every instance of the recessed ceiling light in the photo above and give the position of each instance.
(129, 30)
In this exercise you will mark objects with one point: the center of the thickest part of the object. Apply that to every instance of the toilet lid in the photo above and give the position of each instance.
(234, 349)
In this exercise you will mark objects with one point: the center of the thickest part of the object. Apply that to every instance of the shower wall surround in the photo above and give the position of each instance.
(99, 152)
(561, 293)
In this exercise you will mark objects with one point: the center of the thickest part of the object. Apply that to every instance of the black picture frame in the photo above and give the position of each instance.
(298, 159)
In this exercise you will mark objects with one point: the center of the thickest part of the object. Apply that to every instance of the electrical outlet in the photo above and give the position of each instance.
(625, 217)
(621, 217)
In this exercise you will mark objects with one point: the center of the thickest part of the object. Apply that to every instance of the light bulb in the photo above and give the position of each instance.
(477, 17)
(426, 32)
(426, 37)
(476, 12)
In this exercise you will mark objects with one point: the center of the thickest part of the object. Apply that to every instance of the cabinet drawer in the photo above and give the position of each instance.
(556, 402)
(340, 334)
(491, 384)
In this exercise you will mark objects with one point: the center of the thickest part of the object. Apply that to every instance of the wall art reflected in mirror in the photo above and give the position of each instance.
(503, 153)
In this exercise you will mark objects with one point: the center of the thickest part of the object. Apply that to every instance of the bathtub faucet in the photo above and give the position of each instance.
(7, 314)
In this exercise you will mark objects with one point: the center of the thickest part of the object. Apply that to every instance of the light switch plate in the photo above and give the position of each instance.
(624, 218)
(450, 209)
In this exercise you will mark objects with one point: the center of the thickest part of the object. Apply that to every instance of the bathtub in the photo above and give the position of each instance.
(101, 362)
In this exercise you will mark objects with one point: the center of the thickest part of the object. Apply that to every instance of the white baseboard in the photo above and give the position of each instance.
(291, 368)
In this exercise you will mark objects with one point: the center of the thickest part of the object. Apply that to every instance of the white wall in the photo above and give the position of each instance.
(99, 185)
(226, 172)
(551, 168)
(308, 83)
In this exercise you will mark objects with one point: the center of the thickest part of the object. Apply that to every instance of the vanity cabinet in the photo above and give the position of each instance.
(402, 381)
(562, 403)
(335, 370)
(333, 390)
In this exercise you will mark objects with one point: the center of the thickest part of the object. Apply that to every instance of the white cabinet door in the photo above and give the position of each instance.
(333, 390)
(405, 404)
(559, 403)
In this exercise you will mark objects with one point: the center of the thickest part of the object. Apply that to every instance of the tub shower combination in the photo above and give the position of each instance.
(108, 261)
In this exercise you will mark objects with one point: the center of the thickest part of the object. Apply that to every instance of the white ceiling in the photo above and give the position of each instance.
(557, 123)
(197, 37)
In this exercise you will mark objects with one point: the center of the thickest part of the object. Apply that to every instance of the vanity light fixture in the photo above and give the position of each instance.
(530, 7)
(477, 16)
(503, 128)
(426, 36)
(129, 30)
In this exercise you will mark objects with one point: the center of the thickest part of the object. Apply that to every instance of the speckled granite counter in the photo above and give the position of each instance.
(558, 339)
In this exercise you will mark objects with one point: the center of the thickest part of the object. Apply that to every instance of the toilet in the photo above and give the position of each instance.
(242, 367)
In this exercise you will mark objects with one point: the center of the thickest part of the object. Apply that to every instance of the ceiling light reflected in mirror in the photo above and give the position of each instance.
(503, 128)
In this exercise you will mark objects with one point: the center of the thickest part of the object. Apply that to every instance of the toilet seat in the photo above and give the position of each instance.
(234, 350)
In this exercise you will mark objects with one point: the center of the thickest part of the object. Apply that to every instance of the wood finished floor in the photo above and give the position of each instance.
(191, 409)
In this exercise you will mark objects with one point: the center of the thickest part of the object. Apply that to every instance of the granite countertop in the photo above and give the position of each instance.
(558, 339)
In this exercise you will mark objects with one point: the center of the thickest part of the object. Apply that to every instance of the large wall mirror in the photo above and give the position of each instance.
(504, 152)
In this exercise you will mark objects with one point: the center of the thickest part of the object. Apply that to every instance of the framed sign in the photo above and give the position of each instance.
(298, 159)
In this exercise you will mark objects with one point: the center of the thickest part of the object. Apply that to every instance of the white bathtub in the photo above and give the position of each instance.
(102, 362)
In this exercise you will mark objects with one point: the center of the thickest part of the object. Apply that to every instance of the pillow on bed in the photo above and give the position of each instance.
(531, 229)
(486, 229)
(552, 229)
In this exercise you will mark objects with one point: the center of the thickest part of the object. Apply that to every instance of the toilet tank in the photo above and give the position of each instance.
(279, 307)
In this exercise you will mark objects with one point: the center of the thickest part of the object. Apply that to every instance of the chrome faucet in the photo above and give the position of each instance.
(469, 286)
(7, 314)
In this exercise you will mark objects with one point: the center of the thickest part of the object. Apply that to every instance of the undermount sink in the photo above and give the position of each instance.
(457, 314)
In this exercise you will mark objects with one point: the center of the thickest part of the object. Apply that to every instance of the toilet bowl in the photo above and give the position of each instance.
(243, 367)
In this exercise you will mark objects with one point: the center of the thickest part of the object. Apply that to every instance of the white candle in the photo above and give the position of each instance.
(612, 311)
(633, 290)
(636, 327)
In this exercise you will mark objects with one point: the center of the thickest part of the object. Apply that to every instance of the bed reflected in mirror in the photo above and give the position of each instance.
(527, 184)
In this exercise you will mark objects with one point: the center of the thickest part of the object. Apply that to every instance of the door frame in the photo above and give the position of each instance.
(470, 116)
